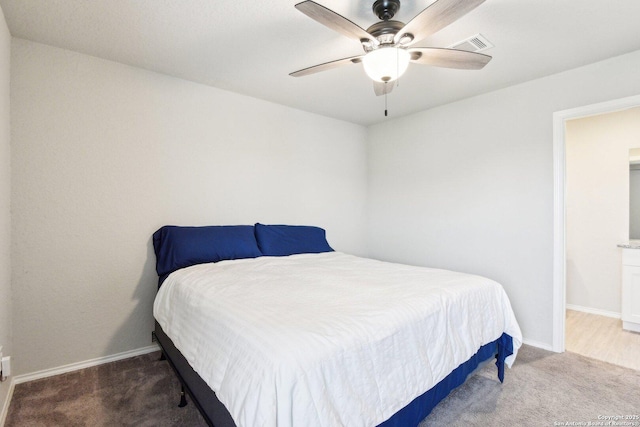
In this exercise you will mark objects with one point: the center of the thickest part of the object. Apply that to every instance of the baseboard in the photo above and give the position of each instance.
(4, 411)
(631, 326)
(18, 379)
(597, 311)
(538, 344)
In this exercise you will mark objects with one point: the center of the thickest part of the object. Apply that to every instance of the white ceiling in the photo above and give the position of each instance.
(250, 47)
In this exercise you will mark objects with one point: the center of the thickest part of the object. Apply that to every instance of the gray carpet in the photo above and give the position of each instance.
(140, 391)
(542, 388)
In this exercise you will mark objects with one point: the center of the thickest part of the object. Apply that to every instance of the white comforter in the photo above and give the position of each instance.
(327, 339)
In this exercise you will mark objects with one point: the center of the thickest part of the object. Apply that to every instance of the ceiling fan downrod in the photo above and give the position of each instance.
(386, 9)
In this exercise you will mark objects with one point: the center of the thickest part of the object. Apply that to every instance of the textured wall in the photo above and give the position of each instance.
(469, 186)
(5, 200)
(597, 194)
(106, 153)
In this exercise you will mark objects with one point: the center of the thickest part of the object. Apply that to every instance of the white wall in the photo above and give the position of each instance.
(5, 200)
(469, 186)
(597, 200)
(104, 154)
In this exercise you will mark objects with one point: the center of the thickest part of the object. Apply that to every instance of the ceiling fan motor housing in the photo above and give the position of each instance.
(385, 30)
(386, 9)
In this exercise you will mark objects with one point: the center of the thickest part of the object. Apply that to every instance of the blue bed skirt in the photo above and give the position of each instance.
(421, 406)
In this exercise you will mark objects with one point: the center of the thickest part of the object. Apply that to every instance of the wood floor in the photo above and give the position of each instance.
(602, 338)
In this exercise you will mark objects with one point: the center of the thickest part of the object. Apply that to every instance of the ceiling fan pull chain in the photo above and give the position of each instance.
(397, 67)
(385, 98)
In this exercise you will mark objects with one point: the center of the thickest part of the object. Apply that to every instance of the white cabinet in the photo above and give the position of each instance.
(631, 289)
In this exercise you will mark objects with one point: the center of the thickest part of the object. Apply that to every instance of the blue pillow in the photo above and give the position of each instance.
(179, 247)
(283, 240)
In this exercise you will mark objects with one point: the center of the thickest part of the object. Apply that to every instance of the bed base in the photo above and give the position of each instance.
(212, 410)
(217, 415)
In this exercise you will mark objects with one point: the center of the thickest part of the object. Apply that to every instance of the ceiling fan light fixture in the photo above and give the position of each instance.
(386, 64)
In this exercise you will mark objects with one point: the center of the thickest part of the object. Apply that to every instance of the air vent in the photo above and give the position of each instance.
(477, 43)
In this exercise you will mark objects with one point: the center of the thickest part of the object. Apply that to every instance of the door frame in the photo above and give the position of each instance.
(559, 204)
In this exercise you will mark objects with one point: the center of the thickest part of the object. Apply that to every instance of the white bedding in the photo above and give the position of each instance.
(327, 339)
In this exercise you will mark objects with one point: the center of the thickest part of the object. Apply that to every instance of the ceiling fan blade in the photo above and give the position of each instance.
(381, 88)
(434, 18)
(335, 21)
(327, 66)
(449, 58)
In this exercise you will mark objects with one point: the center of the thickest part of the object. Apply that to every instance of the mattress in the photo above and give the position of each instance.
(327, 339)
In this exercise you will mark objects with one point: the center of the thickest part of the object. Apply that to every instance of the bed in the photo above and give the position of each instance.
(267, 325)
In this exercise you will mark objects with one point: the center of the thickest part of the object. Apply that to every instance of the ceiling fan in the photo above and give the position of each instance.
(387, 44)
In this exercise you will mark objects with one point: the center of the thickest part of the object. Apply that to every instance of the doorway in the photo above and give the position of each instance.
(598, 214)
(560, 244)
